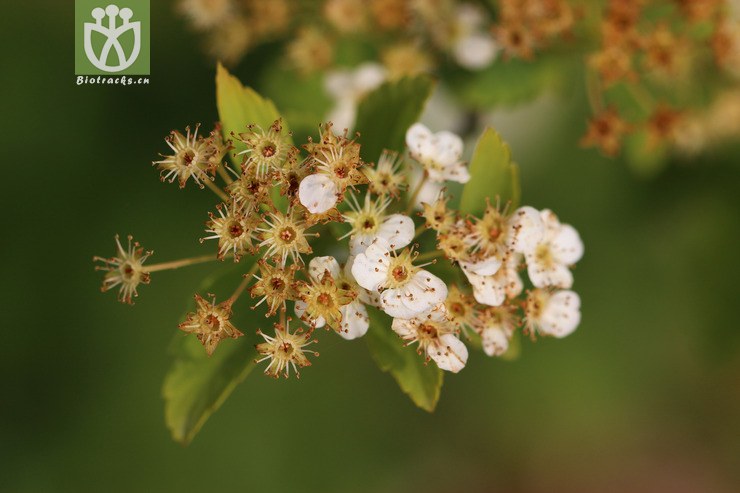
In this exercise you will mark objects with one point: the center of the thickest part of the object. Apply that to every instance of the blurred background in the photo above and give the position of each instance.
(644, 397)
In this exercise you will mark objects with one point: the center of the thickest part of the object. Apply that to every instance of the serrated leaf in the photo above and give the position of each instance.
(196, 384)
(239, 106)
(492, 175)
(422, 382)
(385, 114)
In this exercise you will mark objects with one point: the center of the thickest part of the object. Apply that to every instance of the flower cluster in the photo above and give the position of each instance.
(648, 50)
(279, 202)
(644, 60)
(462, 31)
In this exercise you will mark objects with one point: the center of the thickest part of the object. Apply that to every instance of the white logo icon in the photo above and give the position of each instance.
(112, 33)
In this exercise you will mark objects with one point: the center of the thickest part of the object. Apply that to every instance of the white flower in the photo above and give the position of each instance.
(429, 191)
(495, 237)
(370, 221)
(355, 321)
(561, 246)
(554, 314)
(493, 289)
(437, 337)
(474, 48)
(527, 229)
(440, 153)
(348, 87)
(366, 296)
(405, 289)
(318, 193)
(497, 325)
(475, 51)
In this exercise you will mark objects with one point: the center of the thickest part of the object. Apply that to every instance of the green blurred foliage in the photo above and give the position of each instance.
(642, 398)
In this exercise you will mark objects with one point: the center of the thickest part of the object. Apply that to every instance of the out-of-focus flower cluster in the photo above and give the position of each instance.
(653, 58)
(281, 198)
(412, 36)
(646, 59)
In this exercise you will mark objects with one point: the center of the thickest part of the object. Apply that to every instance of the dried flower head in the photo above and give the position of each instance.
(346, 16)
(321, 301)
(311, 50)
(284, 236)
(191, 158)
(606, 131)
(285, 350)
(274, 286)
(438, 216)
(385, 178)
(125, 270)
(267, 151)
(234, 228)
(210, 322)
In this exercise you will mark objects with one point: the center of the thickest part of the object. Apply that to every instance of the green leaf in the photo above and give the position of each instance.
(422, 382)
(196, 384)
(385, 114)
(492, 175)
(239, 106)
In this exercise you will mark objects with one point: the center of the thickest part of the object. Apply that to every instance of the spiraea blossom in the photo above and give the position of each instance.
(436, 336)
(320, 232)
(370, 221)
(353, 320)
(335, 159)
(552, 313)
(405, 289)
(440, 154)
(560, 247)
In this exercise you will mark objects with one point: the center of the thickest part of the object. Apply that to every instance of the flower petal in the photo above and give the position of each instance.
(457, 172)
(370, 269)
(398, 230)
(318, 265)
(561, 314)
(543, 274)
(526, 229)
(300, 311)
(449, 353)
(317, 193)
(485, 267)
(487, 290)
(494, 340)
(355, 321)
(417, 134)
(567, 246)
